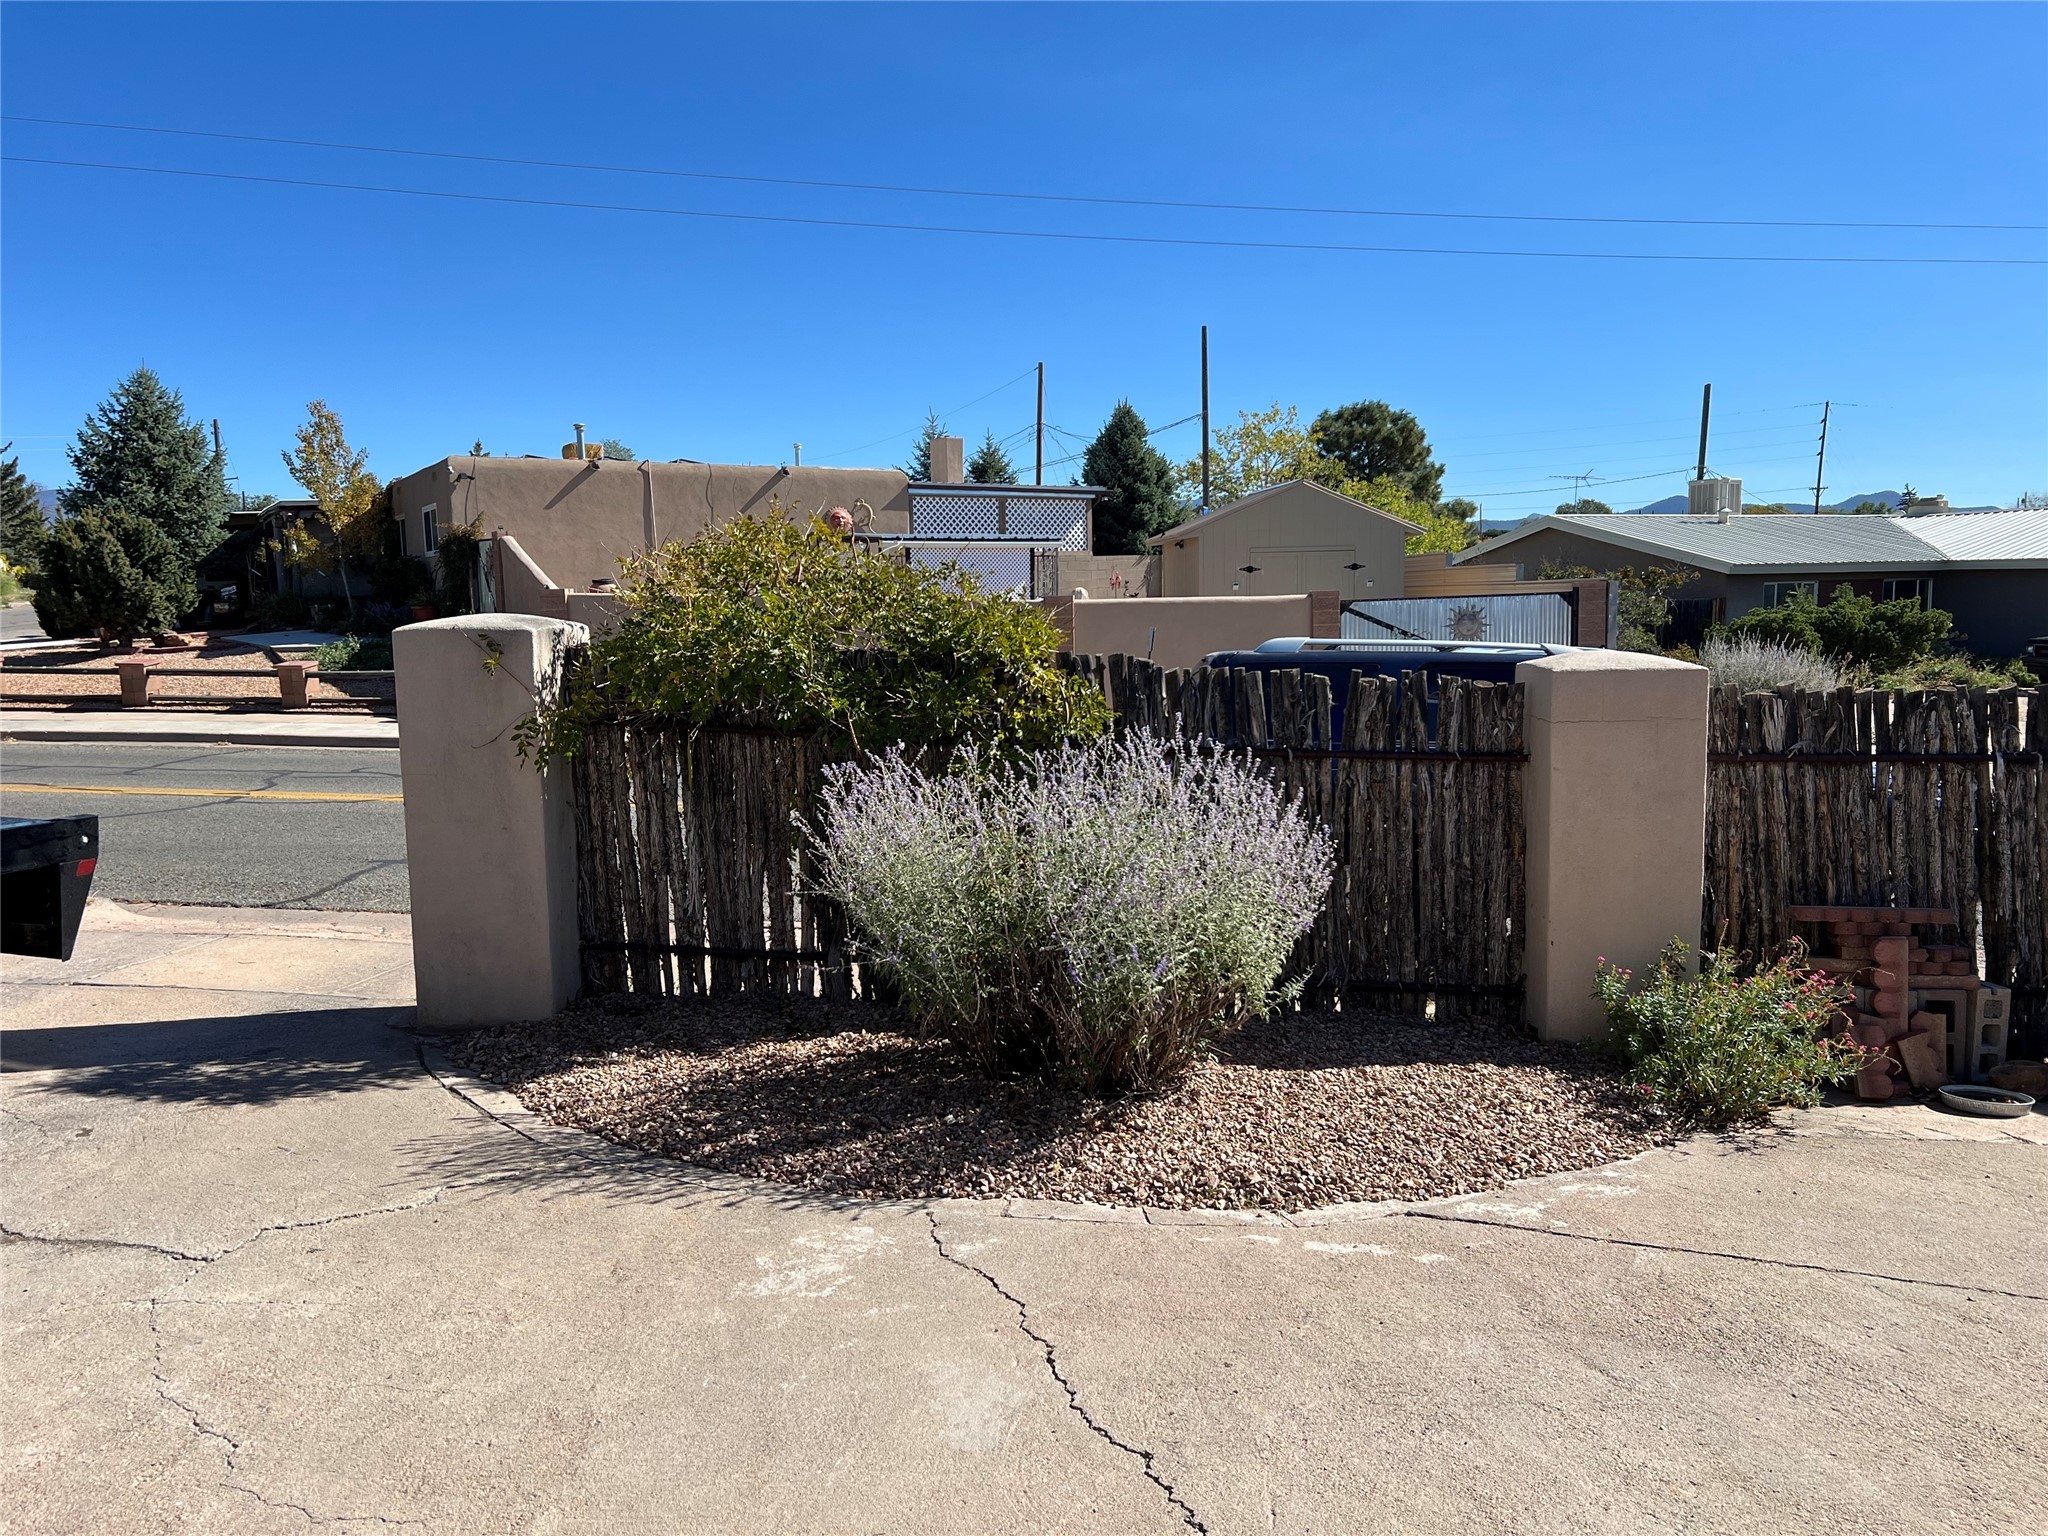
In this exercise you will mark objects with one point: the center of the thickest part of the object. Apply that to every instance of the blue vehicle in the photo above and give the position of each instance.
(1338, 659)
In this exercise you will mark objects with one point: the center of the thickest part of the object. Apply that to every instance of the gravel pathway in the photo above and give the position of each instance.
(1306, 1110)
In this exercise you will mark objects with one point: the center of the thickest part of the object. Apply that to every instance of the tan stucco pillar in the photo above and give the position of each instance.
(1616, 808)
(490, 842)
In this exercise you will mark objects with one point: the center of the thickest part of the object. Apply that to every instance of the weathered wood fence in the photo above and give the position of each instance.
(1870, 798)
(692, 879)
(1427, 902)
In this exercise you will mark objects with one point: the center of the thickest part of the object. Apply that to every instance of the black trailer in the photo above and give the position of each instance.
(45, 875)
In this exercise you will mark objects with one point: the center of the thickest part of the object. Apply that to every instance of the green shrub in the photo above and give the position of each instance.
(1101, 913)
(112, 572)
(1849, 628)
(1958, 670)
(280, 610)
(768, 624)
(1719, 1048)
(355, 653)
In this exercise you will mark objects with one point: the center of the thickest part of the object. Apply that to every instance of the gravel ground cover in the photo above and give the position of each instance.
(1301, 1111)
(238, 672)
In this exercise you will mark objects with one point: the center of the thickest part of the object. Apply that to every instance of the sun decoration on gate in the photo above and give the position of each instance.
(1468, 622)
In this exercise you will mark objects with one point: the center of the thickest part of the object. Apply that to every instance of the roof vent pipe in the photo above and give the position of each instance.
(581, 452)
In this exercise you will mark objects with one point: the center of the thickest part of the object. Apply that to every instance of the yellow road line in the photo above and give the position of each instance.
(9, 787)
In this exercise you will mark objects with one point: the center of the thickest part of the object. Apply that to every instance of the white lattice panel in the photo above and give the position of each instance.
(951, 515)
(1001, 568)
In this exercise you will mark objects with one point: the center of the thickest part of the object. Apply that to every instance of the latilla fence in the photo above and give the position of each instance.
(1868, 798)
(692, 880)
(1427, 904)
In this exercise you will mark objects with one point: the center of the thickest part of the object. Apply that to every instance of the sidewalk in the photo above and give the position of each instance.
(271, 1262)
(303, 729)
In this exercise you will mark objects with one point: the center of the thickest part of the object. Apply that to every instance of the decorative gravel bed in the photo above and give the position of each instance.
(1301, 1111)
(88, 673)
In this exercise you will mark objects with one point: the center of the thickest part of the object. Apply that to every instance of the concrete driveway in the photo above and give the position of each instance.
(270, 1266)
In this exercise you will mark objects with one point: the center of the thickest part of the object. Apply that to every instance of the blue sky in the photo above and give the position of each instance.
(429, 324)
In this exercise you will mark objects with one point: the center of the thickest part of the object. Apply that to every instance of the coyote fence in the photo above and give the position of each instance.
(1427, 904)
(1874, 798)
(692, 878)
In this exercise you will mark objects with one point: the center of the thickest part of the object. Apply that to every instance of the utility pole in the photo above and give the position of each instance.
(1820, 468)
(1706, 405)
(216, 437)
(1205, 418)
(1038, 459)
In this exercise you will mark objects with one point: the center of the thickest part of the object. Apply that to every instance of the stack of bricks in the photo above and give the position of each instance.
(1875, 953)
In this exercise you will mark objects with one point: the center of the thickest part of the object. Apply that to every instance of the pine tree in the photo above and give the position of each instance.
(111, 571)
(137, 453)
(1137, 484)
(919, 469)
(1373, 441)
(990, 465)
(21, 517)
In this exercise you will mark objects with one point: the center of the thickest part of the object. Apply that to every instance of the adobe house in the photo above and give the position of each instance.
(1288, 538)
(577, 519)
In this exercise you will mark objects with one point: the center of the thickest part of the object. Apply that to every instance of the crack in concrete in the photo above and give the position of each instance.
(1717, 1253)
(14, 1234)
(234, 1446)
(1052, 1365)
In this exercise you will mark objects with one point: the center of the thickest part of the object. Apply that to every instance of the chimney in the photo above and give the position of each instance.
(949, 460)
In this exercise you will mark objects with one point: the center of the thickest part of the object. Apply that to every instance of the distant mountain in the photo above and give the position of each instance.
(1892, 499)
(48, 498)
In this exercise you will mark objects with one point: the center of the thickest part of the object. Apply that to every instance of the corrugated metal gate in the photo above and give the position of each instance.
(1538, 618)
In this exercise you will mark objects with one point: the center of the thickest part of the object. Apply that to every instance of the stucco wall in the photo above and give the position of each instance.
(1335, 531)
(1180, 631)
(576, 521)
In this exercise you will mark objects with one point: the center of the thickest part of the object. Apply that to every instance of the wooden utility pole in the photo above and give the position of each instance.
(1038, 459)
(1706, 406)
(1205, 418)
(1820, 468)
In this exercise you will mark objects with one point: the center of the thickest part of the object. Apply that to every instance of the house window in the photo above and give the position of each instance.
(1776, 592)
(427, 527)
(1919, 588)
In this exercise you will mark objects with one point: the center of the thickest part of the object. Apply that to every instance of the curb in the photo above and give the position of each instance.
(208, 729)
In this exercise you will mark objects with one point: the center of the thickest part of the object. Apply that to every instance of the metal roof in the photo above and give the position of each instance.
(1989, 538)
(1837, 542)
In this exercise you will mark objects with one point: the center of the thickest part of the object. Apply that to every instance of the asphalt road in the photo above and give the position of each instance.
(226, 826)
(18, 622)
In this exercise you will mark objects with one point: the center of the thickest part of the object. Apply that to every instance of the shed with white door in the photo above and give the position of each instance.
(1292, 537)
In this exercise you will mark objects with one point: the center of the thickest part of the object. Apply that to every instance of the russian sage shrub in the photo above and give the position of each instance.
(1100, 913)
(1759, 666)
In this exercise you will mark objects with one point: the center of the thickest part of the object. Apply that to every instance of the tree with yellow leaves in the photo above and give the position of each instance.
(351, 501)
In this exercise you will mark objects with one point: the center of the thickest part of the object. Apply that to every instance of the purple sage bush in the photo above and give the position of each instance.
(1100, 913)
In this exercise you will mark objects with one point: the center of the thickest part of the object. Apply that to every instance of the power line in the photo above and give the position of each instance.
(1072, 236)
(954, 411)
(1028, 197)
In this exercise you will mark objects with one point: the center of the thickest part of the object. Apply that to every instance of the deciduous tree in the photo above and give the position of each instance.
(1585, 506)
(352, 506)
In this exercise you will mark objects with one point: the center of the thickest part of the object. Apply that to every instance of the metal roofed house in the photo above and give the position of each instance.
(1293, 537)
(1988, 569)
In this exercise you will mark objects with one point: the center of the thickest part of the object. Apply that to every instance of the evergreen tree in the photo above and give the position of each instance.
(614, 449)
(21, 517)
(137, 453)
(1137, 482)
(919, 469)
(1373, 441)
(990, 465)
(111, 571)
